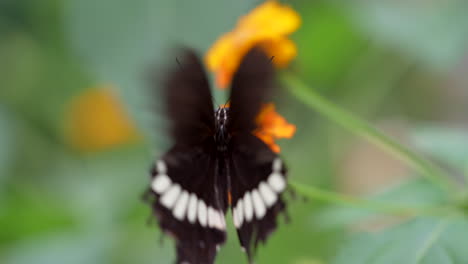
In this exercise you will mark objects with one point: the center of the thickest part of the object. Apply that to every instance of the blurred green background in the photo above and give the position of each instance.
(77, 133)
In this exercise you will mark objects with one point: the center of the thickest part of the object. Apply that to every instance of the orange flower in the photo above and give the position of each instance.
(96, 120)
(266, 26)
(272, 126)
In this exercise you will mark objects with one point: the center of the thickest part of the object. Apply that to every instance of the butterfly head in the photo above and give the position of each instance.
(222, 136)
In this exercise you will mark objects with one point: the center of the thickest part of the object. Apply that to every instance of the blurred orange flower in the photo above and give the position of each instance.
(266, 26)
(272, 126)
(97, 120)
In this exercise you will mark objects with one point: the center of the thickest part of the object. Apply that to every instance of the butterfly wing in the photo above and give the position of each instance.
(258, 179)
(187, 203)
(187, 98)
(257, 175)
(252, 86)
(185, 191)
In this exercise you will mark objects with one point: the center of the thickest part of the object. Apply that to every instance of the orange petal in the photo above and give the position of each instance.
(272, 125)
(267, 25)
(96, 120)
(224, 57)
(270, 19)
(223, 45)
(223, 77)
(282, 49)
(268, 140)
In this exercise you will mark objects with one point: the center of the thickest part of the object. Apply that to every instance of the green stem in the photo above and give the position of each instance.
(371, 205)
(360, 127)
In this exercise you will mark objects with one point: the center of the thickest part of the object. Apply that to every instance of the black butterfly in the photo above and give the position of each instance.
(216, 162)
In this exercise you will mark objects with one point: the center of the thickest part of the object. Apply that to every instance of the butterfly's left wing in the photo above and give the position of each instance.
(187, 202)
(186, 196)
(188, 101)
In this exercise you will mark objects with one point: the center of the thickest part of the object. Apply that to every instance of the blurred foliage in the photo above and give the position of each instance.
(422, 241)
(384, 61)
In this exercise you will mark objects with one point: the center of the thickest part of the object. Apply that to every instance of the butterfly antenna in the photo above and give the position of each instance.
(271, 59)
(178, 62)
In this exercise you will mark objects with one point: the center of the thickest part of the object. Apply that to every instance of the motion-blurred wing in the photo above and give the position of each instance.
(258, 179)
(257, 175)
(187, 98)
(185, 192)
(252, 85)
(186, 201)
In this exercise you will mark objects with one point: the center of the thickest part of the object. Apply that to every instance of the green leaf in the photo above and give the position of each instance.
(72, 248)
(364, 129)
(434, 34)
(422, 241)
(413, 193)
(448, 145)
(8, 143)
(323, 57)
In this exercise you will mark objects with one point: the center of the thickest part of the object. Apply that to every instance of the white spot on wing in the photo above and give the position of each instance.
(181, 206)
(223, 220)
(170, 196)
(160, 183)
(192, 208)
(202, 214)
(258, 205)
(240, 212)
(248, 210)
(277, 182)
(161, 167)
(219, 220)
(215, 219)
(211, 217)
(235, 217)
(269, 197)
(276, 165)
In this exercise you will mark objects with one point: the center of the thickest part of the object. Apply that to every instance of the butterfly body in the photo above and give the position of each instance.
(216, 163)
(222, 136)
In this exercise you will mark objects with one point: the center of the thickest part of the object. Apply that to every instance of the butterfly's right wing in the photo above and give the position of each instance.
(257, 175)
(258, 180)
(252, 86)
